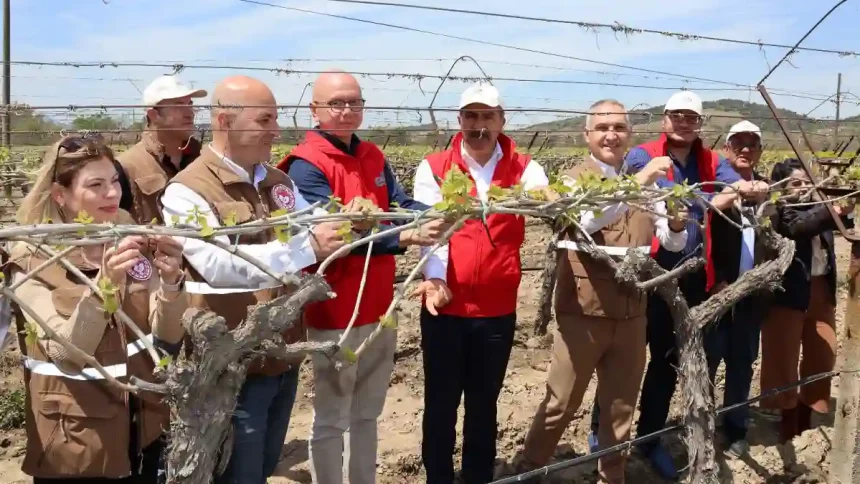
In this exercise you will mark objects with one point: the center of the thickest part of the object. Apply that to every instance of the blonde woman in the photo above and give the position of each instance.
(80, 429)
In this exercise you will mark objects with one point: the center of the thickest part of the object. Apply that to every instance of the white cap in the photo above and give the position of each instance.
(481, 93)
(744, 127)
(169, 87)
(685, 100)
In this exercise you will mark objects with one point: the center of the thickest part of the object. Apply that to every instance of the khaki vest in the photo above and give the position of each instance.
(587, 286)
(81, 428)
(229, 195)
(147, 178)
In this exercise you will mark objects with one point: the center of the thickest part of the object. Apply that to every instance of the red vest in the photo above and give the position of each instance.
(350, 177)
(484, 279)
(707, 162)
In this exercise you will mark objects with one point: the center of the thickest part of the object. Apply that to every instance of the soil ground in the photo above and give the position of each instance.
(803, 460)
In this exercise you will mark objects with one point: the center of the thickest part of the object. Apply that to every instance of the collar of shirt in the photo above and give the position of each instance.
(339, 143)
(605, 168)
(489, 167)
(259, 169)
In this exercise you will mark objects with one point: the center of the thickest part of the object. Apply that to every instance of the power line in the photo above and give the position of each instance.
(486, 42)
(617, 27)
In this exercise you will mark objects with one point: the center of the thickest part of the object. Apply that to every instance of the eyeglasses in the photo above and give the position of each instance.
(690, 118)
(338, 106)
(739, 142)
(73, 144)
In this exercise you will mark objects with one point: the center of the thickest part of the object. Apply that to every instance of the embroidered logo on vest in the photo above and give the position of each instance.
(284, 197)
(142, 269)
(380, 180)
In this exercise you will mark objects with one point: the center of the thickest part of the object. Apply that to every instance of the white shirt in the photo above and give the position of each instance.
(820, 266)
(223, 271)
(670, 240)
(427, 191)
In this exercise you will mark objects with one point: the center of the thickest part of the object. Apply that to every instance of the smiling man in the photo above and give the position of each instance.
(165, 148)
(601, 322)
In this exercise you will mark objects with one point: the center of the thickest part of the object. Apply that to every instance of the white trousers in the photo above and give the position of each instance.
(349, 401)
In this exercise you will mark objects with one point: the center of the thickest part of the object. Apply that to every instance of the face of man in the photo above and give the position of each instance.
(744, 151)
(174, 116)
(608, 137)
(252, 130)
(337, 106)
(481, 126)
(682, 126)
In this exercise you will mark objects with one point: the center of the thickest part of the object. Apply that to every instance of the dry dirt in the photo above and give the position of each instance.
(803, 460)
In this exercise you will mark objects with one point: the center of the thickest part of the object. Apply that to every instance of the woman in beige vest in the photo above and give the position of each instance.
(80, 429)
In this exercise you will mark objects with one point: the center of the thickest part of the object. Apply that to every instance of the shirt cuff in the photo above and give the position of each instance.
(435, 269)
(304, 256)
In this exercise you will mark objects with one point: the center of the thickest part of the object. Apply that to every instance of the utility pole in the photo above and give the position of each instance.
(838, 103)
(7, 88)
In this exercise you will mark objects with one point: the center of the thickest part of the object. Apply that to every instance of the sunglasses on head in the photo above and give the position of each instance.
(73, 144)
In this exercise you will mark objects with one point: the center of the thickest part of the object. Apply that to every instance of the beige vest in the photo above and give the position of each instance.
(147, 178)
(81, 428)
(587, 286)
(229, 195)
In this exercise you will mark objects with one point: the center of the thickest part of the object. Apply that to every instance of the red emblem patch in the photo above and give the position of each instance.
(284, 197)
(142, 269)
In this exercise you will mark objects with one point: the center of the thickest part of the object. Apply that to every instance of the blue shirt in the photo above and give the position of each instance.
(314, 186)
(637, 158)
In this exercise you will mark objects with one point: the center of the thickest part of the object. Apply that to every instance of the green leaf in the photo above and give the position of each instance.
(108, 292)
(83, 218)
(230, 219)
(31, 334)
(279, 213)
(388, 322)
(497, 193)
(774, 196)
(345, 231)
(334, 204)
(164, 362)
(283, 234)
(174, 219)
(349, 355)
(154, 221)
(205, 229)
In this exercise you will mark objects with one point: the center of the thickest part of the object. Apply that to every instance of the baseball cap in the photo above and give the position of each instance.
(685, 100)
(481, 93)
(169, 87)
(744, 127)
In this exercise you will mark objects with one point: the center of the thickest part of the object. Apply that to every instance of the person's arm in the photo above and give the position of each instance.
(637, 159)
(223, 271)
(84, 328)
(591, 222)
(167, 304)
(669, 239)
(800, 224)
(127, 200)
(427, 191)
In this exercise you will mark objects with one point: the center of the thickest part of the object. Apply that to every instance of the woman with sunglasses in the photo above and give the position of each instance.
(80, 429)
(803, 313)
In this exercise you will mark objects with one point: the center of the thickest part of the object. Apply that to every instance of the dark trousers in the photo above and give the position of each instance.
(661, 375)
(462, 356)
(734, 339)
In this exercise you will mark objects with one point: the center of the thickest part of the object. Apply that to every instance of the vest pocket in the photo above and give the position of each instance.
(151, 184)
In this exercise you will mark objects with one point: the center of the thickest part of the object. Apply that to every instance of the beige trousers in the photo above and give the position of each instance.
(349, 401)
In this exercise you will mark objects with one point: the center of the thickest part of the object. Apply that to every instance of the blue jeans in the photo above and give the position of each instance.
(260, 424)
(734, 338)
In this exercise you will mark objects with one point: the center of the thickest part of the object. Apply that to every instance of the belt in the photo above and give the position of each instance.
(87, 374)
(609, 249)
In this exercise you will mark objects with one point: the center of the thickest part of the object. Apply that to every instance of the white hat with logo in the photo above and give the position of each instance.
(744, 127)
(169, 87)
(685, 101)
(481, 93)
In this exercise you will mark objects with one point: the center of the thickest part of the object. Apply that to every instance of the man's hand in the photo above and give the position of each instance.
(168, 258)
(119, 259)
(846, 209)
(436, 294)
(755, 190)
(678, 221)
(325, 239)
(656, 168)
(361, 205)
(425, 235)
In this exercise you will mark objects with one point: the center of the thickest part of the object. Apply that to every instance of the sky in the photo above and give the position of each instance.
(235, 33)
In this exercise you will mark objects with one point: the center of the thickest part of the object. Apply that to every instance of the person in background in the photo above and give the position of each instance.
(601, 322)
(79, 428)
(334, 161)
(802, 315)
(734, 338)
(470, 291)
(165, 148)
(692, 163)
(232, 180)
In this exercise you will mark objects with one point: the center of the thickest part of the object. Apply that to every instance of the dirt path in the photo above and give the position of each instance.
(400, 425)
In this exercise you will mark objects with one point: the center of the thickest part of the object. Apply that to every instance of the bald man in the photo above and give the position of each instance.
(333, 161)
(231, 178)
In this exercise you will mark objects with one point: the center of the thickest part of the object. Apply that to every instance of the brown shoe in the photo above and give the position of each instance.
(788, 425)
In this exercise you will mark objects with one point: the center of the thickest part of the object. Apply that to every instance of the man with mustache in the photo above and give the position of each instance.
(601, 322)
(470, 292)
(693, 163)
(734, 338)
(165, 148)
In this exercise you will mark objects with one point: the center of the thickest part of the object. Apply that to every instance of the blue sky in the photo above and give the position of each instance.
(230, 32)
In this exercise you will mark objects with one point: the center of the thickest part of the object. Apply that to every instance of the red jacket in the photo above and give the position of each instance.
(707, 162)
(484, 279)
(350, 177)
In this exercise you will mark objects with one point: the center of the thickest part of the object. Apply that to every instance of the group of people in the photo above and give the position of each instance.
(81, 430)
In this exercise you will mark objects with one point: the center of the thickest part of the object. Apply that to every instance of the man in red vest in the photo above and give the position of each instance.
(333, 161)
(693, 163)
(466, 343)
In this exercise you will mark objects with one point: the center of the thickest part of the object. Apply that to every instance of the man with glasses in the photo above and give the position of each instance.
(333, 162)
(165, 148)
(693, 163)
